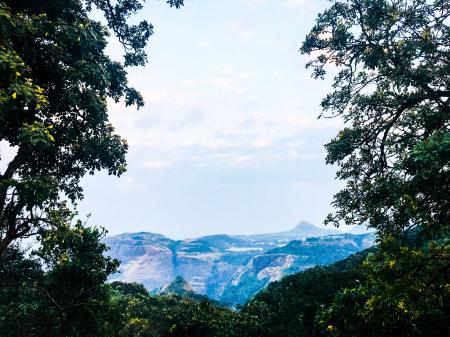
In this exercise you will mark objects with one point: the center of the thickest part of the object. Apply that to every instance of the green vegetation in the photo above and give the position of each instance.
(133, 312)
(70, 298)
(227, 274)
(392, 90)
(289, 307)
(54, 84)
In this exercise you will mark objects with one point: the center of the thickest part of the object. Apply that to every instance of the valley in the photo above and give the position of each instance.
(229, 269)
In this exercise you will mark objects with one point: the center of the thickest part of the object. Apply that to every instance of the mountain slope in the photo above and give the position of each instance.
(223, 267)
(288, 307)
(292, 258)
(304, 229)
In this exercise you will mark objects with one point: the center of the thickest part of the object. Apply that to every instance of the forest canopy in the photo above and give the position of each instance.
(392, 91)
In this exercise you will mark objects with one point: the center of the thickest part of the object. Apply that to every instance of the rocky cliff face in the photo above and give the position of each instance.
(291, 258)
(227, 268)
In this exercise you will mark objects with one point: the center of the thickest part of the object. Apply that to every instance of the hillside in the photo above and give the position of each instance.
(228, 268)
(294, 257)
(303, 230)
(289, 307)
(179, 287)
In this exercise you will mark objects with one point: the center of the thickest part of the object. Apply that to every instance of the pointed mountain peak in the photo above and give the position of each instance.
(304, 228)
(303, 225)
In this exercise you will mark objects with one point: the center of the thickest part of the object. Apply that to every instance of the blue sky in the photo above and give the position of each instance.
(229, 140)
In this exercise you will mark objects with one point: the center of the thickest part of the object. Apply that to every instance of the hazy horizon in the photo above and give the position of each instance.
(229, 140)
(331, 228)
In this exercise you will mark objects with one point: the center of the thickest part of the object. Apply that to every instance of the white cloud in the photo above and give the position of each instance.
(204, 45)
(189, 83)
(247, 34)
(289, 3)
(257, 3)
(229, 122)
(244, 32)
(156, 165)
(221, 117)
(298, 3)
(130, 183)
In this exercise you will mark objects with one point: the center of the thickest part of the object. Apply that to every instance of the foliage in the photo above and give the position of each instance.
(60, 289)
(133, 312)
(392, 89)
(18, 295)
(393, 62)
(130, 311)
(289, 307)
(55, 80)
(406, 293)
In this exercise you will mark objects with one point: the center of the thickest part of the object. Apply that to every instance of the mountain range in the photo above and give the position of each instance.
(230, 269)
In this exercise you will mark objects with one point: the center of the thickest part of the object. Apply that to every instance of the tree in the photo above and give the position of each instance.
(60, 289)
(404, 293)
(392, 87)
(19, 297)
(55, 80)
(289, 307)
(74, 287)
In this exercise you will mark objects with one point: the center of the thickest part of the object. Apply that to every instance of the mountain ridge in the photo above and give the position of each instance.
(225, 267)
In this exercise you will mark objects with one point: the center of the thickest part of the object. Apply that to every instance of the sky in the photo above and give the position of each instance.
(229, 140)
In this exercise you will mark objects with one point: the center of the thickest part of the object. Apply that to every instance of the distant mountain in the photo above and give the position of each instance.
(227, 268)
(303, 230)
(292, 258)
(306, 229)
